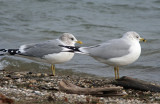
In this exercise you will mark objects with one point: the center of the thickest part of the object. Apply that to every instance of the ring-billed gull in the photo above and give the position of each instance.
(116, 52)
(48, 51)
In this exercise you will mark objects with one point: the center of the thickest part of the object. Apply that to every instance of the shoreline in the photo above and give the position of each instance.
(42, 88)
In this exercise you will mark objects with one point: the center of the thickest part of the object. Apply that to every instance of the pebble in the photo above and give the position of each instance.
(32, 81)
(19, 80)
(39, 74)
(37, 92)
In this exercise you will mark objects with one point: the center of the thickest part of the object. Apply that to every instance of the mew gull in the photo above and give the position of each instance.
(116, 52)
(48, 51)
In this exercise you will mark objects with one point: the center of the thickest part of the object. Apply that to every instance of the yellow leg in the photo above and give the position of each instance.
(118, 71)
(53, 69)
(115, 72)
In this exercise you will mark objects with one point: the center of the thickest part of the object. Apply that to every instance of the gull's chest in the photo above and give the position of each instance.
(57, 58)
(134, 53)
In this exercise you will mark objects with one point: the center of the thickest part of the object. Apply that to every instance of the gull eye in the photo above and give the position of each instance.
(137, 37)
(72, 38)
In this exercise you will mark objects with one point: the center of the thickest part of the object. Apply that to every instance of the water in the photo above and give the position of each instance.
(91, 21)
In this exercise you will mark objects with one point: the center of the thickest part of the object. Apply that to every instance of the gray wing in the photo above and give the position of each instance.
(111, 49)
(41, 49)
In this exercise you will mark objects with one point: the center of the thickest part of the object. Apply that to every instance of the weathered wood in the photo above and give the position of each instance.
(5, 100)
(67, 87)
(132, 83)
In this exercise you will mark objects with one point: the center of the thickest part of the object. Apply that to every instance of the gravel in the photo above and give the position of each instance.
(42, 88)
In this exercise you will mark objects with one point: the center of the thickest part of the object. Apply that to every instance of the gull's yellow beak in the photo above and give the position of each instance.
(142, 39)
(80, 42)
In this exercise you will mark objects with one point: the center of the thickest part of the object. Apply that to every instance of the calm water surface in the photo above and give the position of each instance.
(91, 21)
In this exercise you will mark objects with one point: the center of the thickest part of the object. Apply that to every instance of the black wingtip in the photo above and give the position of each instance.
(10, 51)
(3, 50)
(13, 51)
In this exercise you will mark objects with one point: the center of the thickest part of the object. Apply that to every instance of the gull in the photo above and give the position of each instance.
(47, 51)
(115, 52)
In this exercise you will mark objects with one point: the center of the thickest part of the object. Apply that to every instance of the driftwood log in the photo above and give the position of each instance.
(67, 87)
(132, 83)
(5, 100)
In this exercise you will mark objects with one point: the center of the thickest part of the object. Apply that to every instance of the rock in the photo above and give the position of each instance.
(37, 92)
(29, 73)
(19, 80)
(38, 74)
(33, 81)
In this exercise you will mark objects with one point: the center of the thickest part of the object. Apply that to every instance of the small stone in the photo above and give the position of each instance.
(37, 92)
(8, 75)
(18, 75)
(32, 81)
(7, 78)
(45, 75)
(147, 92)
(27, 81)
(13, 87)
(19, 80)
(50, 98)
(39, 74)
(29, 72)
